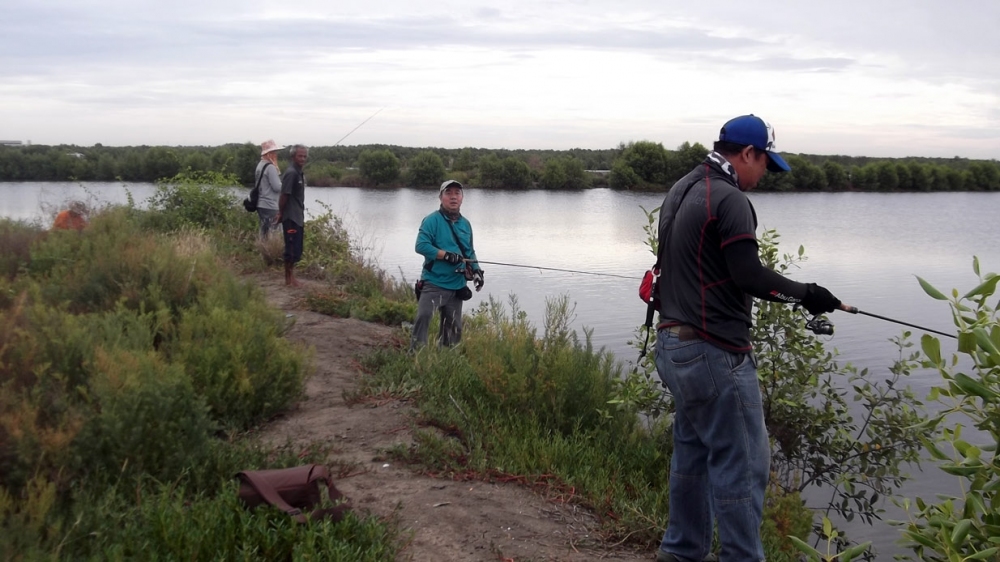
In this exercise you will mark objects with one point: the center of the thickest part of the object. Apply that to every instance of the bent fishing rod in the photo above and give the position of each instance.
(554, 269)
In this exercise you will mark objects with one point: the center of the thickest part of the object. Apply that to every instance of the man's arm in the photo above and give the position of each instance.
(287, 185)
(425, 241)
(273, 179)
(281, 207)
(752, 277)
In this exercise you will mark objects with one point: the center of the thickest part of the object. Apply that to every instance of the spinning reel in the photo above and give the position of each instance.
(817, 324)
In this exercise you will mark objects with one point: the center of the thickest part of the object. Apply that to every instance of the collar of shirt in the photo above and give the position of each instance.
(720, 161)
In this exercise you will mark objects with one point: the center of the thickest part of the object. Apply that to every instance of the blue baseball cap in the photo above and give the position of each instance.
(754, 131)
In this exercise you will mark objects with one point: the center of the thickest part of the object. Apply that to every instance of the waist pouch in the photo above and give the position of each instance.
(648, 288)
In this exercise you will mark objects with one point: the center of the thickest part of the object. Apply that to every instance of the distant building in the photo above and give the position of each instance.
(10, 143)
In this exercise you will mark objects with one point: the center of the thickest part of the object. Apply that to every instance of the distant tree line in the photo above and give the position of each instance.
(641, 165)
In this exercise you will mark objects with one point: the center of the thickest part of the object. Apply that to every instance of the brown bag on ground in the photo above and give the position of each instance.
(292, 490)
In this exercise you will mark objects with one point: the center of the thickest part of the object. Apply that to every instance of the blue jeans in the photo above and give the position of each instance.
(721, 460)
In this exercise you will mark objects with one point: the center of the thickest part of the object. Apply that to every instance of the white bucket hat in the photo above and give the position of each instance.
(269, 146)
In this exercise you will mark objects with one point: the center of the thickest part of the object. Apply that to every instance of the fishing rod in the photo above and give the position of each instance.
(554, 269)
(854, 310)
(359, 126)
(821, 326)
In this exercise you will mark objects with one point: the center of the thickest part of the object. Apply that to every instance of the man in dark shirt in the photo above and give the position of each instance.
(292, 211)
(711, 271)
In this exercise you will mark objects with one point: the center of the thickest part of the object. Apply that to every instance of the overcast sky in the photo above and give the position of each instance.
(855, 77)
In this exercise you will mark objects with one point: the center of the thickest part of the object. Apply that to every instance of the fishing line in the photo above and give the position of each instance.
(845, 308)
(359, 126)
(854, 310)
(555, 269)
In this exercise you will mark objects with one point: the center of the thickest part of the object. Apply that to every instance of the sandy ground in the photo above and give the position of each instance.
(441, 520)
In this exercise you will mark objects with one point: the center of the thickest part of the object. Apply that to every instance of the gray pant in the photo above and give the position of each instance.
(266, 219)
(434, 298)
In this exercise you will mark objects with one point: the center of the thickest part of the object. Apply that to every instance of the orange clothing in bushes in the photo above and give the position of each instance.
(68, 220)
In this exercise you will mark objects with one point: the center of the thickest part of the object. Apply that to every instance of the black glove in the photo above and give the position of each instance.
(477, 279)
(452, 258)
(818, 300)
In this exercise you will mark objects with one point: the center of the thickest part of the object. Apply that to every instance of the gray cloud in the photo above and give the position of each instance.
(112, 55)
(74, 40)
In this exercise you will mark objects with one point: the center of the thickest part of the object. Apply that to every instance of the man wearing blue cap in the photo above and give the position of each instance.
(710, 273)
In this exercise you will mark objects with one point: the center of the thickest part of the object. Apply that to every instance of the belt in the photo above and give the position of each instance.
(682, 331)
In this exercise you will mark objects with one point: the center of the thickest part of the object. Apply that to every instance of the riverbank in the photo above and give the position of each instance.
(446, 520)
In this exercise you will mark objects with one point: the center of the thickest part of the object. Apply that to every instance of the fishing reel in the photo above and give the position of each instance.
(817, 324)
(820, 326)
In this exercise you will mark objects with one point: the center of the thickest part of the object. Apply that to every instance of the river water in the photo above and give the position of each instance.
(867, 248)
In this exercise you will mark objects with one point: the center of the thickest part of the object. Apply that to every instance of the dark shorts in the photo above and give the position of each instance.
(293, 241)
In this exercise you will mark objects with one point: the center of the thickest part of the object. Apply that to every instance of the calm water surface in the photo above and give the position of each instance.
(866, 248)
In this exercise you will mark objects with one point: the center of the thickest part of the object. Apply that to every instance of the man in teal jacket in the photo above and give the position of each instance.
(445, 241)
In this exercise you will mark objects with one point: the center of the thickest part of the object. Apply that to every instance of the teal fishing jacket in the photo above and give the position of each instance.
(434, 235)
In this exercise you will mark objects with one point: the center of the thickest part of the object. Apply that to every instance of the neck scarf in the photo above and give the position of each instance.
(720, 161)
(450, 216)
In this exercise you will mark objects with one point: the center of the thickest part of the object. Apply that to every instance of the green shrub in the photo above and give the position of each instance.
(200, 199)
(816, 440)
(41, 410)
(170, 524)
(323, 174)
(248, 373)
(326, 245)
(147, 421)
(963, 524)
(16, 239)
(113, 260)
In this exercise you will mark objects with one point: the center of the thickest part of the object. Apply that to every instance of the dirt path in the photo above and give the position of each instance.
(442, 520)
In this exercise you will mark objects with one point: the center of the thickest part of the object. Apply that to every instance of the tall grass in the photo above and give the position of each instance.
(512, 404)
